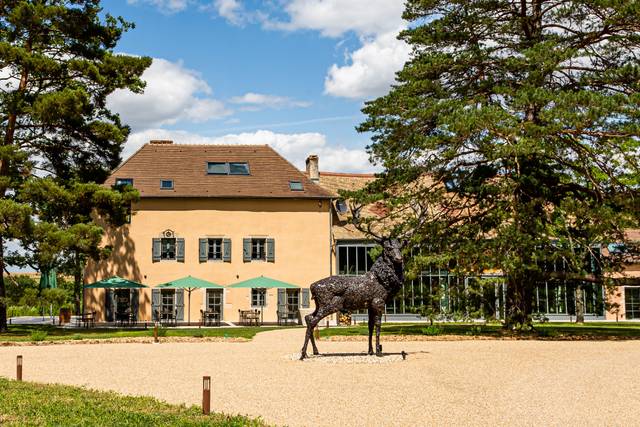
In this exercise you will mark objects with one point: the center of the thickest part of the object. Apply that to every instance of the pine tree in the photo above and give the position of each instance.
(57, 67)
(514, 131)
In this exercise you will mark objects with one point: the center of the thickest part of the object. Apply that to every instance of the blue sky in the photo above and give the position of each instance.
(290, 73)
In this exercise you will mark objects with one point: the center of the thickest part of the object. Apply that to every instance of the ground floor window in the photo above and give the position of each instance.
(167, 305)
(632, 303)
(258, 298)
(214, 300)
(293, 300)
(354, 259)
(123, 301)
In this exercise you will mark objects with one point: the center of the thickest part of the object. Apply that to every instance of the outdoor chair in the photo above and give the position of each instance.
(286, 316)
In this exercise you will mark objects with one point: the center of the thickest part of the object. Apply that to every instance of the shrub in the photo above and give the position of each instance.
(198, 334)
(38, 335)
(162, 331)
(432, 330)
(22, 310)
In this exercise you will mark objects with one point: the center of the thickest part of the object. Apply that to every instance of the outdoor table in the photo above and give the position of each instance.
(209, 317)
(250, 317)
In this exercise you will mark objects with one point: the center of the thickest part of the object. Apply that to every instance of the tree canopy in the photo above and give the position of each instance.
(511, 137)
(57, 67)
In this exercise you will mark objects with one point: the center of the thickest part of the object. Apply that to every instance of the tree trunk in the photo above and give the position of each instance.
(579, 304)
(3, 293)
(77, 283)
(518, 304)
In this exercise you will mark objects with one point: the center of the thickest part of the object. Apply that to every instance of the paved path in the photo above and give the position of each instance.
(441, 383)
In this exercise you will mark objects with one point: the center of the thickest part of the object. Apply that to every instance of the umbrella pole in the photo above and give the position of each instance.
(189, 314)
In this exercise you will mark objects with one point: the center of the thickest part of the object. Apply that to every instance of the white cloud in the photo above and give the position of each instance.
(371, 69)
(333, 18)
(173, 93)
(165, 6)
(294, 147)
(231, 10)
(258, 101)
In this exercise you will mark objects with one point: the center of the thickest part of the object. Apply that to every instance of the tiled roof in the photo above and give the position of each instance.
(334, 181)
(186, 165)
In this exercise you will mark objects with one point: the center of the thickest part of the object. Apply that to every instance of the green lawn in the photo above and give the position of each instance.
(29, 333)
(553, 330)
(54, 405)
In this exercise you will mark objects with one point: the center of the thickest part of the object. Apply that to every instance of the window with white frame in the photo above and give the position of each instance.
(214, 249)
(258, 297)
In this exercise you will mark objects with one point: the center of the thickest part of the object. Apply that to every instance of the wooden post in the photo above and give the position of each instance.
(19, 369)
(316, 333)
(206, 395)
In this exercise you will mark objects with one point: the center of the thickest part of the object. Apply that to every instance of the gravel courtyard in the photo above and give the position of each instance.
(441, 382)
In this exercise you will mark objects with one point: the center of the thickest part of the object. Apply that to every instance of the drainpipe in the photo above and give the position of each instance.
(330, 237)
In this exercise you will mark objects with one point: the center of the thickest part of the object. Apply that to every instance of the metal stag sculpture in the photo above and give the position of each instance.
(370, 291)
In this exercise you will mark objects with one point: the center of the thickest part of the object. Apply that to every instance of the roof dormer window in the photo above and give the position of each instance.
(295, 186)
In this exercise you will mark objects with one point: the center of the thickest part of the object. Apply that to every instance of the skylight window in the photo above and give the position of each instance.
(217, 168)
(295, 186)
(120, 182)
(166, 184)
(238, 168)
(231, 168)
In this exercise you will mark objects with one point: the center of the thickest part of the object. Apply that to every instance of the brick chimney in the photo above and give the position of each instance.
(312, 168)
(160, 142)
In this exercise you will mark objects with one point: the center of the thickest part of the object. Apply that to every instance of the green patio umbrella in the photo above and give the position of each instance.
(264, 283)
(189, 284)
(48, 279)
(115, 282)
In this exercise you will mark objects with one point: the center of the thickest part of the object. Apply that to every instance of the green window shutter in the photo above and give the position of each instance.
(203, 250)
(282, 299)
(180, 250)
(305, 298)
(246, 250)
(226, 250)
(155, 303)
(271, 250)
(156, 250)
(180, 305)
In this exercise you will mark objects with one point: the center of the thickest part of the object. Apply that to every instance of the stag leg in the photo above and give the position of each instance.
(378, 324)
(312, 321)
(378, 309)
(372, 317)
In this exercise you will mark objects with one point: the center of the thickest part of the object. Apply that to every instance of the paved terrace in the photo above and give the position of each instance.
(441, 382)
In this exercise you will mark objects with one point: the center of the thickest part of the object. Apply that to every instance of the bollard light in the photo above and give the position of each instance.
(206, 395)
(327, 323)
(155, 333)
(404, 355)
(19, 369)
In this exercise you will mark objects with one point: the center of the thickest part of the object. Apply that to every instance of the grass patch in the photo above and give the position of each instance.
(52, 333)
(43, 405)
(599, 330)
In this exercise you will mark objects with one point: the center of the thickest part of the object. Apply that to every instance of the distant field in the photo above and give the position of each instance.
(51, 333)
(37, 404)
(600, 330)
